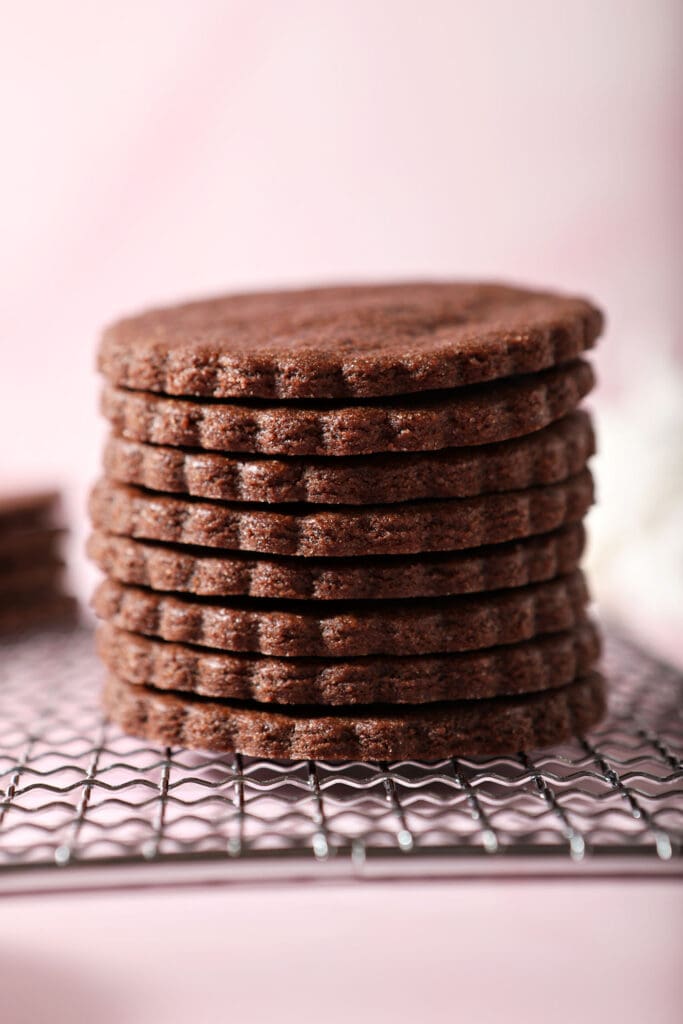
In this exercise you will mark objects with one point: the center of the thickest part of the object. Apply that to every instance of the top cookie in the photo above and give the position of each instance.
(342, 342)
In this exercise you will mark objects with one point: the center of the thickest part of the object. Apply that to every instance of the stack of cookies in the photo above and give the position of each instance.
(347, 522)
(31, 565)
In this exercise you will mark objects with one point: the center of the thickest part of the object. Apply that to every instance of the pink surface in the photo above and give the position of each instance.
(570, 953)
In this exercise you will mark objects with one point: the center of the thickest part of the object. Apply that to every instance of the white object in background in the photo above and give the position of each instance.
(635, 556)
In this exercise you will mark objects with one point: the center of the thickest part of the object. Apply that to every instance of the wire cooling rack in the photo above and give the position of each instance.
(83, 806)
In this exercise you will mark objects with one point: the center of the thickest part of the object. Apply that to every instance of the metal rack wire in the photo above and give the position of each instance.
(82, 805)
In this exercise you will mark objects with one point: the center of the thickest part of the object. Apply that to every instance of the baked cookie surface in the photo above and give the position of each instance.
(539, 664)
(226, 574)
(348, 629)
(484, 414)
(384, 733)
(546, 456)
(341, 531)
(347, 341)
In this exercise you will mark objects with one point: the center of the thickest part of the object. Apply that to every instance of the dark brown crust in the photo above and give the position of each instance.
(482, 415)
(353, 341)
(38, 579)
(28, 547)
(504, 725)
(339, 531)
(311, 629)
(55, 610)
(547, 456)
(30, 510)
(27, 503)
(228, 574)
(539, 664)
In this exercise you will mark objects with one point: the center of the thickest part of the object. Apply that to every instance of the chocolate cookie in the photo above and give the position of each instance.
(540, 664)
(28, 547)
(52, 610)
(348, 629)
(27, 511)
(341, 531)
(350, 341)
(503, 725)
(234, 573)
(485, 414)
(31, 579)
(546, 456)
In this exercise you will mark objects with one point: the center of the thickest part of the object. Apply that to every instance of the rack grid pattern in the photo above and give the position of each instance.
(76, 793)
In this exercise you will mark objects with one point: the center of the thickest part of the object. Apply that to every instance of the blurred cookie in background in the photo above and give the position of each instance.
(32, 567)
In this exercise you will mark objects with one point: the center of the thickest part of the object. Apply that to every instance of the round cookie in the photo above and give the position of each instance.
(353, 341)
(546, 456)
(313, 629)
(339, 531)
(227, 574)
(503, 725)
(486, 414)
(542, 663)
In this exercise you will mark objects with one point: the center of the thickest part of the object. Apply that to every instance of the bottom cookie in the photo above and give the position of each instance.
(501, 725)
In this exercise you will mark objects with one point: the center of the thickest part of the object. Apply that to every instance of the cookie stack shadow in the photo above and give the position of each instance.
(32, 593)
(348, 523)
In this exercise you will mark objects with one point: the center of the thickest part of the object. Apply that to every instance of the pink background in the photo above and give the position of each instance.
(157, 150)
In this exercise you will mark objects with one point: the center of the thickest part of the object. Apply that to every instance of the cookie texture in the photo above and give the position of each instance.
(546, 456)
(347, 341)
(503, 725)
(311, 629)
(342, 531)
(191, 570)
(539, 664)
(485, 414)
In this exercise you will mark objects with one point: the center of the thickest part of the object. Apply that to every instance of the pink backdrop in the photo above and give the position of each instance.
(166, 148)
